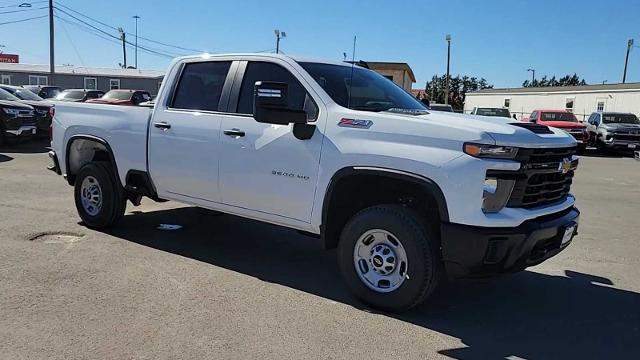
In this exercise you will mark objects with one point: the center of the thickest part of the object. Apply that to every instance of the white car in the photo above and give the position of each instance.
(406, 196)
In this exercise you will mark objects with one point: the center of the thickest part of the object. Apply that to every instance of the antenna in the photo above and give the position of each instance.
(353, 61)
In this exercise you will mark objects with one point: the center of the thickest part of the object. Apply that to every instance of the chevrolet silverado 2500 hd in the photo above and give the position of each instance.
(336, 150)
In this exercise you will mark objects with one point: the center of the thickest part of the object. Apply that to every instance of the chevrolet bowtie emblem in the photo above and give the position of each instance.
(565, 165)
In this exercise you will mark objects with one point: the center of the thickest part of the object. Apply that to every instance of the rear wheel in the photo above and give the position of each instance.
(99, 198)
(389, 257)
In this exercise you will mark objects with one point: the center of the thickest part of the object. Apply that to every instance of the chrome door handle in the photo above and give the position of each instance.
(234, 132)
(162, 125)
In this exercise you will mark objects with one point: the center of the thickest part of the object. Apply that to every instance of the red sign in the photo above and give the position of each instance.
(9, 58)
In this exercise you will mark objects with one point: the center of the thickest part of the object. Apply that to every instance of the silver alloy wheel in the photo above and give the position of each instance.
(91, 195)
(380, 260)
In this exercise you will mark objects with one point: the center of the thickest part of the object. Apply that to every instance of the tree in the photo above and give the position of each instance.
(458, 86)
(567, 80)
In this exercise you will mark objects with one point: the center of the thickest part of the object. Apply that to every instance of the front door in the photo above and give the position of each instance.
(184, 136)
(265, 167)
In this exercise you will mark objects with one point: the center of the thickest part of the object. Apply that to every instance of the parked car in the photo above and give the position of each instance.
(43, 109)
(441, 107)
(561, 119)
(614, 131)
(123, 97)
(17, 120)
(489, 111)
(406, 195)
(79, 95)
(45, 92)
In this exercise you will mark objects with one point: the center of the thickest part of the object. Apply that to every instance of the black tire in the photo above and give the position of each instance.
(420, 240)
(114, 202)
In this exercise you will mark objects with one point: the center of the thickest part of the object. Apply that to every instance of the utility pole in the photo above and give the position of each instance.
(123, 37)
(279, 35)
(446, 95)
(52, 66)
(626, 60)
(136, 17)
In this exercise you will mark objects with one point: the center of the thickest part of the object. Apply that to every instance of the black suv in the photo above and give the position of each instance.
(43, 109)
(44, 91)
(16, 119)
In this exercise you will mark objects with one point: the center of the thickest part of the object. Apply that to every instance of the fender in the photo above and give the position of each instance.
(70, 177)
(424, 182)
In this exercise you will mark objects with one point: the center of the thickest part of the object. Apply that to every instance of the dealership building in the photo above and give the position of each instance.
(76, 77)
(581, 100)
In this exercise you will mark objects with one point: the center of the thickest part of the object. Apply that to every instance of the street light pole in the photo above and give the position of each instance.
(123, 37)
(279, 35)
(533, 75)
(52, 68)
(136, 17)
(626, 60)
(447, 87)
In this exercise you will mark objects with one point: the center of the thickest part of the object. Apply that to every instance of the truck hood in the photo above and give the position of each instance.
(563, 124)
(471, 128)
(15, 104)
(37, 104)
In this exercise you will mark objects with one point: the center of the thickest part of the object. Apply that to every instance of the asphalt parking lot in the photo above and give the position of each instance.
(226, 287)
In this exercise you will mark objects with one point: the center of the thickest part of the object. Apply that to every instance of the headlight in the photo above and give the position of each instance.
(11, 111)
(496, 193)
(490, 151)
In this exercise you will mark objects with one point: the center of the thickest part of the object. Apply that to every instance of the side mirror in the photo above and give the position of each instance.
(270, 104)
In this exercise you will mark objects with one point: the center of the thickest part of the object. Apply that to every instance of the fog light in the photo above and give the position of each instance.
(496, 194)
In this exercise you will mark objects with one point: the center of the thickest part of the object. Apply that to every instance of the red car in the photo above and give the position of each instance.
(562, 119)
(123, 97)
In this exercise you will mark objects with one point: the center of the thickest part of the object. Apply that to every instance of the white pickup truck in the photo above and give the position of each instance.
(332, 150)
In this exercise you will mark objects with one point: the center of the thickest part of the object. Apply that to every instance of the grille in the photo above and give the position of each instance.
(28, 121)
(541, 181)
(627, 137)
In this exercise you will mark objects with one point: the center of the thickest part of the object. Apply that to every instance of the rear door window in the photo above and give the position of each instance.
(200, 86)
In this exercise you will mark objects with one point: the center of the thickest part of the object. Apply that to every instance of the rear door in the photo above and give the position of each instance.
(184, 136)
(264, 167)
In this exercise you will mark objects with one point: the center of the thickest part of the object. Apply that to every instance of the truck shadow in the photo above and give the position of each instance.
(527, 315)
(36, 146)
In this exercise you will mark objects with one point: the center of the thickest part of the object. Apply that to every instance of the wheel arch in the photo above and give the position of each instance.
(90, 148)
(330, 228)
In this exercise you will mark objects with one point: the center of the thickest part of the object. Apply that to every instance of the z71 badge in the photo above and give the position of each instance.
(354, 123)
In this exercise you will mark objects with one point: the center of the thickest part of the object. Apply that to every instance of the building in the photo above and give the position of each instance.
(399, 73)
(75, 77)
(581, 100)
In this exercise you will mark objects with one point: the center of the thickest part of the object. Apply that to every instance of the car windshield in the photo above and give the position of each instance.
(493, 112)
(118, 95)
(620, 118)
(369, 90)
(5, 95)
(25, 94)
(71, 94)
(558, 116)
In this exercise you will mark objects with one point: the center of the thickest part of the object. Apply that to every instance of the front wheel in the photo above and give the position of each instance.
(390, 257)
(99, 198)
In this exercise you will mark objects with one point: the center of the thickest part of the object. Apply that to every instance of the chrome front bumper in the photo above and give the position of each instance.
(23, 130)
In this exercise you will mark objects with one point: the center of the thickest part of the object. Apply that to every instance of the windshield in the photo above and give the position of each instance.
(369, 90)
(25, 94)
(118, 95)
(73, 95)
(493, 112)
(620, 118)
(5, 95)
(558, 116)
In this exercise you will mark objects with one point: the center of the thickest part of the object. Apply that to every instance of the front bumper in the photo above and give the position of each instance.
(622, 144)
(29, 130)
(472, 251)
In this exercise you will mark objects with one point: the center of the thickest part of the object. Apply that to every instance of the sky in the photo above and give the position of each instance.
(494, 39)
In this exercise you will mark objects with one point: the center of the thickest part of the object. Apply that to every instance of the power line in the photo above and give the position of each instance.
(115, 28)
(19, 5)
(23, 20)
(22, 10)
(144, 48)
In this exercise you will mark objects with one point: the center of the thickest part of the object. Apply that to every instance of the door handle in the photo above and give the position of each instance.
(162, 125)
(234, 132)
